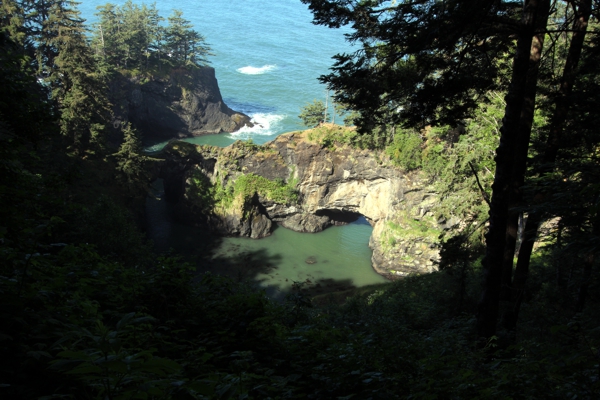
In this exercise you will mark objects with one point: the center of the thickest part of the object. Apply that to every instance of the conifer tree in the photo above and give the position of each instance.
(184, 45)
(108, 40)
(153, 33)
(313, 114)
(12, 20)
(78, 88)
(132, 165)
(132, 37)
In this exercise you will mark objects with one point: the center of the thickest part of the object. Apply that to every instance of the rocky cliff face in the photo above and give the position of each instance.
(305, 186)
(184, 103)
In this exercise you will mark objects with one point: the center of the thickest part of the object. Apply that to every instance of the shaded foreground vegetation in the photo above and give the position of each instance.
(77, 324)
(88, 309)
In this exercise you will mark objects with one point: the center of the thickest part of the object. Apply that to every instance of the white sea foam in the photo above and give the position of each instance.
(264, 125)
(250, 70)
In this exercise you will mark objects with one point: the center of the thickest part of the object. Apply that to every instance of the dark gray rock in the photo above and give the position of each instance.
(187, 102)
(310, 223)
(260, 226)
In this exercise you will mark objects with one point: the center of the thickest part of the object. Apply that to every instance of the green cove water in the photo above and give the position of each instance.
(268, 56)
(333, 260)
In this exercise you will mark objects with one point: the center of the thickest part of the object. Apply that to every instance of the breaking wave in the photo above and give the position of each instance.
(249, 70)
(264, 125)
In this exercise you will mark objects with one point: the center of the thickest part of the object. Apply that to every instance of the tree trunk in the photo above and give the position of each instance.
(587, 274)
(487, 313)
(551, 151)
(519, 163)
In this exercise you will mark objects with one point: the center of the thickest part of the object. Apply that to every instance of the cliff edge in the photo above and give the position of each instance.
(184, 102)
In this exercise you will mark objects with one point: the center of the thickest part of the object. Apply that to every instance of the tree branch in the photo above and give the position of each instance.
(485, 197)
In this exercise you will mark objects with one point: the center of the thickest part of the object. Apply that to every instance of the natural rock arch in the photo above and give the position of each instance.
(332, 182)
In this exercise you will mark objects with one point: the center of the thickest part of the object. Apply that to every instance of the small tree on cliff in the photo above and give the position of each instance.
(313, 114)
(185, 45)
(132, 164)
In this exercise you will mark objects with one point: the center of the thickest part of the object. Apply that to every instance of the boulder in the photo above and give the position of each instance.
(310, 223)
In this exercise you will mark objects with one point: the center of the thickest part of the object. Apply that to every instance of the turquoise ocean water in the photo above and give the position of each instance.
(268, 56)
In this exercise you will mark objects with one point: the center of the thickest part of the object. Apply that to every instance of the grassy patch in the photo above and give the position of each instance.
(181, 149)
(406, 227)
(329, 135)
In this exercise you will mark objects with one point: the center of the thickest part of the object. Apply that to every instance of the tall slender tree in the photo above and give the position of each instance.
(430, 62)
(511, 158)
(582, 11)
(78, 88)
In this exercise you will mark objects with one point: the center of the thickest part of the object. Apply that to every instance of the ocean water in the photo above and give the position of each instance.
(268, 56)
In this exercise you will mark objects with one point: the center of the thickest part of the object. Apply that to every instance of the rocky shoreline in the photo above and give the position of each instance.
(185, 102)
(305, 186)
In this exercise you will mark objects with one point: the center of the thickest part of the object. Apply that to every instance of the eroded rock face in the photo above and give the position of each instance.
(185, 103)
(332, 184)
(304, 222)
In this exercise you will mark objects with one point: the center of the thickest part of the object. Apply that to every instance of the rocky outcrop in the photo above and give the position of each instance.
(183, 103)
(306, 186)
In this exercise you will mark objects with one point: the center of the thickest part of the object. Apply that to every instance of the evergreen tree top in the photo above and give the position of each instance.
(133, 37)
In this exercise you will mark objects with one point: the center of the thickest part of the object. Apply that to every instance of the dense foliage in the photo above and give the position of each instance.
(89, 310)
(430, 65)
(132, 37)
(238, 194)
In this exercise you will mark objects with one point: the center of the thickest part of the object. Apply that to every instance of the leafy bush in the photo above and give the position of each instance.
(313, 114)
(92, 328)
(208, 197)
(278, 191)
(329, 134)
(406, 150)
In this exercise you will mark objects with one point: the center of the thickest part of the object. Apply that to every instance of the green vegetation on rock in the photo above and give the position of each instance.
(405, 227)
(238, 192)
(329, 135)
(406, 150)
(277, 191)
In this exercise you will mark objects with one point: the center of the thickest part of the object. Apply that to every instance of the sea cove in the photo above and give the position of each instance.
(336, 259)
(268, 56)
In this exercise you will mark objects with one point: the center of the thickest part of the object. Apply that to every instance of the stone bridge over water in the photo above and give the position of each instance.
(336, 184)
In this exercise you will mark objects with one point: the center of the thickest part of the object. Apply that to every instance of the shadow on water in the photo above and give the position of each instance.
(243, 266)
(260, 268)
(198, 246)
(273, 268)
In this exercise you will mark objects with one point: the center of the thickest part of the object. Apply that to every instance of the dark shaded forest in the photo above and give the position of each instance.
(495, 101)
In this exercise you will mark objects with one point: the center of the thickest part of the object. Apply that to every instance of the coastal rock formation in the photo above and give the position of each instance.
(305, 186)
(183, 103)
